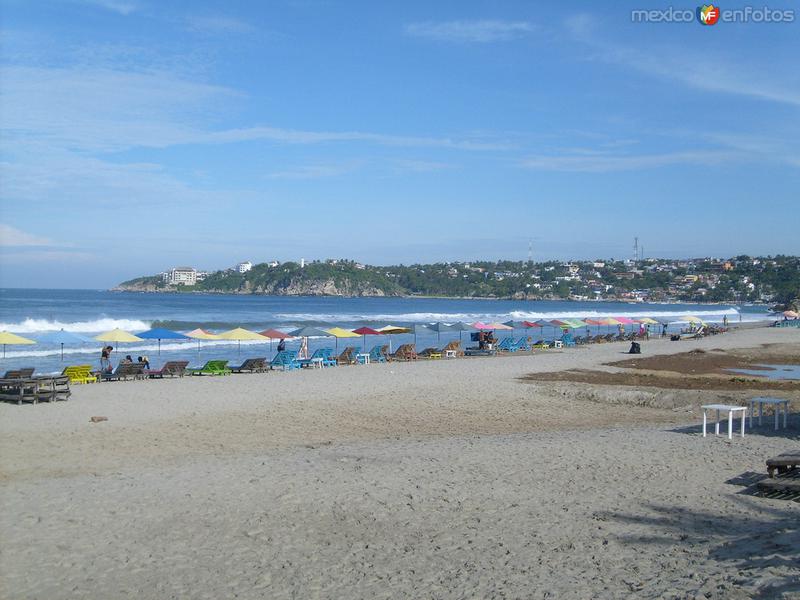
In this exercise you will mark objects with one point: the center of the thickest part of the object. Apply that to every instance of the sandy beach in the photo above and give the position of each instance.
(469, 478)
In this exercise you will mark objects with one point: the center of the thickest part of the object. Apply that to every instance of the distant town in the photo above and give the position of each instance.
(738, 279)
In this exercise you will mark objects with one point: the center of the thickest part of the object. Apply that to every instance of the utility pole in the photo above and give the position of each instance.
(530, 252)
(635, 250)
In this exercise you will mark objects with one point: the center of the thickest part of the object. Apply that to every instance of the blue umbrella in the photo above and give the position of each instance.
(63, 337)
(159, 333)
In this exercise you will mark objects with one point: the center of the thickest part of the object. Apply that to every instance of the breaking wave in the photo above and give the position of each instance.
(96, 326)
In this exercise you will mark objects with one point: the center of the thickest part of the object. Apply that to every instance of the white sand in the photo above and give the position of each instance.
(445, 479)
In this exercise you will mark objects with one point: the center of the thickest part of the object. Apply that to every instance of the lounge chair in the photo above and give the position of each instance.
(541, 345)
(321, 355)
(348, 356)
(378, 354)
(567, 340)
(786, 483)
(173, 368)
(125, 370)
(24, 373)
(454, 346)
(19, 390)
(430, 353)
(251, 365)
(52, 389)
(476, 351)
(79, 374)
(405, 352)
(286, 360)
(521, 345)
(212, 367)
(506, 345)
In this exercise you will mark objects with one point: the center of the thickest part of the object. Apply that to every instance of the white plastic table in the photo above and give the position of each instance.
(363, 358)
(317, 363)
(450, 354)
(775, 402)
(723, 408)
(558, 344)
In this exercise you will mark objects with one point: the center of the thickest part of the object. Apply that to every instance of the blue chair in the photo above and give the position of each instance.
(377, 355)
(567, 339)
(287, 360)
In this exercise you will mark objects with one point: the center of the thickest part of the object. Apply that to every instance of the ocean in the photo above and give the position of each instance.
(89, 312)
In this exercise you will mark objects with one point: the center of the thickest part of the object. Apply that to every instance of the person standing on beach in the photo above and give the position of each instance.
(664, 329)
(282, 345)
(105, 359)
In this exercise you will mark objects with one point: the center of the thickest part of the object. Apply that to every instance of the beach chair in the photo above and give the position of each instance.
(454, 346)
(251, 365)
(24, 373)
(79, 374)
(19, 390)
(522, 345)
(431, 352)
(348, 356)
(567, 340)
(173, 368)
(324, 356)
(506, 345)
(377, 354)
(405, 352)
(124, 371)
(286, 360)
(52, 389)
(212, 367)
(540, 345)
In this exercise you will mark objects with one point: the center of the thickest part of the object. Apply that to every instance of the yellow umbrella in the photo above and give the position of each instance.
(12, 339)
(691, 319)
(393, 329)
(201, 334)
(647, 321)
(341, 333)
(338, 332)
(117, 335)
(240, 334)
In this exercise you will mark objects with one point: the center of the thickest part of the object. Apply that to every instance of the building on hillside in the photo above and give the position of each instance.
(244, 267)
(180, 276)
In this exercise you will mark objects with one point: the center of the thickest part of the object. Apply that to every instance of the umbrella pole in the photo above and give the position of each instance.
(62, 351)
(159, 346)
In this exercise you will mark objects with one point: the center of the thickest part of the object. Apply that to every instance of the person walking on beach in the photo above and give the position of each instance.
(664, 329)
(105, 359)
(303, 349)
(282, 345)
(725, 320)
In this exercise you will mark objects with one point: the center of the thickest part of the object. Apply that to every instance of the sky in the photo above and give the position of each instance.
(140, 135)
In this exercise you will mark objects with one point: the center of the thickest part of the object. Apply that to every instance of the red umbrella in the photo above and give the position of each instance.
(274, 334)
(364, 332)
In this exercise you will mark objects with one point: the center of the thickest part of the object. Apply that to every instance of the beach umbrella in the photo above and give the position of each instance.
(339, 332)
(647, 321)
(307, 332)
(389, 330)
(439, 327)
(461, 327)
(240, 334)
(274, 334)
(12, 339)
(63, 337)
(159, 333)
(117, 335)
(201, 334)
(420, 328)
(625, 320)
(364, 332)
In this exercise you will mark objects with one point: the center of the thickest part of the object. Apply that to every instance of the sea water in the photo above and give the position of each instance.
(33, 312)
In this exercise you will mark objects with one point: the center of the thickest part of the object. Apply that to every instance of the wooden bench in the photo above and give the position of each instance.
(783, 463)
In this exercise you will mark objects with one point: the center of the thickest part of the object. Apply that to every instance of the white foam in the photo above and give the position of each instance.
(96, 326)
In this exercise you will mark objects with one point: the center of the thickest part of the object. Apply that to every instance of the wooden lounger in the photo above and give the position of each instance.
(783, 463)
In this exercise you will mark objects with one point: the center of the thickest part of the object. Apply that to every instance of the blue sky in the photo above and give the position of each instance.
(140, 135)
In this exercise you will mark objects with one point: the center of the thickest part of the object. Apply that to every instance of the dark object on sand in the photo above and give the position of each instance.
(786, 484)
(675, 338)
(636, 348)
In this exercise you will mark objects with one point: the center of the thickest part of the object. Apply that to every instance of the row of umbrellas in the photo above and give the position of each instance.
(240, 334)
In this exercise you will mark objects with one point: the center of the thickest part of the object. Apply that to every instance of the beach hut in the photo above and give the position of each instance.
(13, 339)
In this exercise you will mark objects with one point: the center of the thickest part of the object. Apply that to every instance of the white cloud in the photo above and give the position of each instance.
(470, 31)
(122, 7)
(604, 163)
(218, 24)
(11, 237)
(315, 171)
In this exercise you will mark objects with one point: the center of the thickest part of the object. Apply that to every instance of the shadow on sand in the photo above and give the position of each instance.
(767, 429)
(761, 549)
